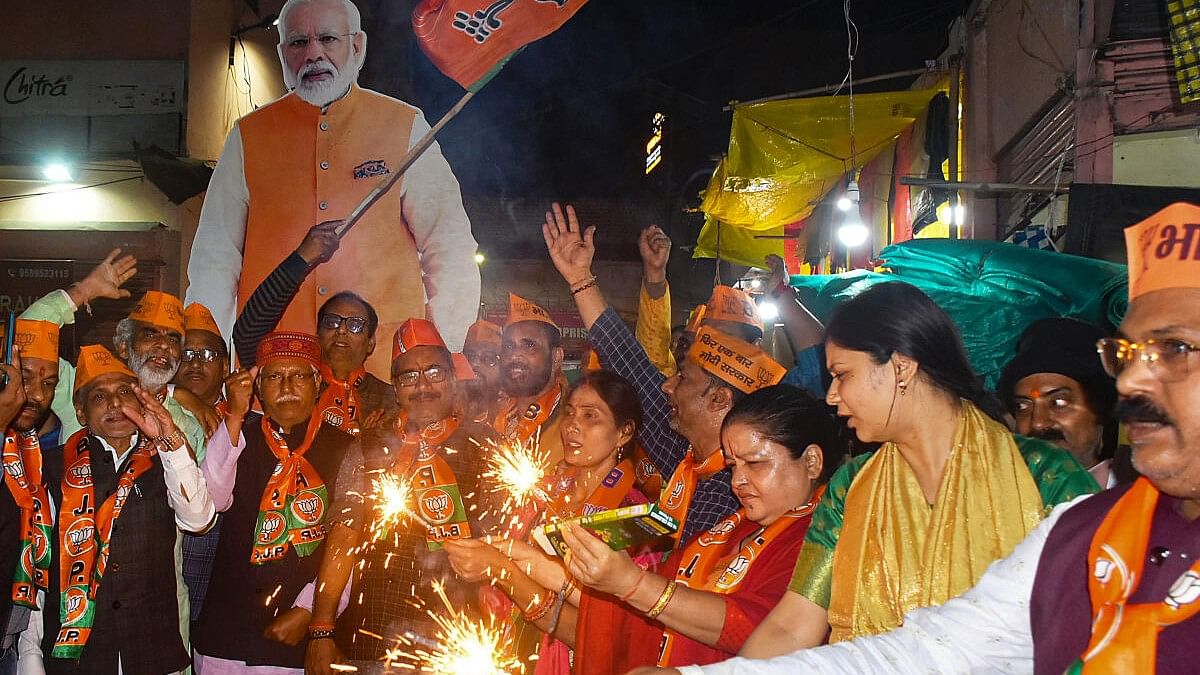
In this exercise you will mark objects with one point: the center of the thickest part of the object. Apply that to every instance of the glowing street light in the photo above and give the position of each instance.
(767, 311)
(479, 259)
(57, 172)
(852, 232)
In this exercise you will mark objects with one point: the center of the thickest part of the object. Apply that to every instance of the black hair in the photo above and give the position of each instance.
(372, 316)
(620, 397)
(553, 334)
(897, 318)
(795, 419)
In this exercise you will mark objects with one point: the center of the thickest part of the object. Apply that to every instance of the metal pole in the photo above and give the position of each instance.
(983, 187)
(413, 154)
(955, 74)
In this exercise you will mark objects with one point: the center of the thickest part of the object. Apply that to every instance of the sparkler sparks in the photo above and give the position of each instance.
(394, 498)
(519, 471)
(463, 645)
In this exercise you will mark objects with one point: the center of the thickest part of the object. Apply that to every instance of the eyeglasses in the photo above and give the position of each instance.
(1168, 359)
(331, 321)
(483, 360)
(328, 41)
(409, 378)
(202, 355)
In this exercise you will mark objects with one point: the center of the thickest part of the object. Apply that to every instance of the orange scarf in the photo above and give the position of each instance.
(293, 506)
(607, 496)
(84, 536)
(23, 475)
(1125, 636)
(711, 553)
(676, 497)
(435, 487)
(339, 404)
(523, 426)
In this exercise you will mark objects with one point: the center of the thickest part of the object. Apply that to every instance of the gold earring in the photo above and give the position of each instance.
(903, 387)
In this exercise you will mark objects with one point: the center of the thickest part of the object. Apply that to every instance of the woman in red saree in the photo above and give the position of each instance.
(599, 429)
(781, 444)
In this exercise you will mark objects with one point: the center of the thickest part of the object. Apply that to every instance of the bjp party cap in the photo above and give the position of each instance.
(159, 309)
(197, 317)
(415, 333)
(737, 363)
(462, 367)
(1164, 250)
(520, 309)
(484, 333)
(289, 345)
(96, 360)
(37, 339)
(730, 304)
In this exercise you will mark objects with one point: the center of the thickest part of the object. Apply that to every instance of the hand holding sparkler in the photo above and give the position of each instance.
(395, 502)
(463, 645)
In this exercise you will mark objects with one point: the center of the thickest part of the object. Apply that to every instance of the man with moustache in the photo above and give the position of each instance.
(313, 155)
(1057, 390)
(441, 454)
(126, 484)
(346, 328)
(1117, 582)
(281, 480)
(26, 515)
(531, 378)
(149, 340)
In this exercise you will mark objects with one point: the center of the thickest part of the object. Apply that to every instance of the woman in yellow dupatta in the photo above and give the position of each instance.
(949, 490)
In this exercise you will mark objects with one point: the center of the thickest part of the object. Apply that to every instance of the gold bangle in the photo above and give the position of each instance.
(663, 600)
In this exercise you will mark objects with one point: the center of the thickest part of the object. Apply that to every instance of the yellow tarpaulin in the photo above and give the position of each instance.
(784, 155)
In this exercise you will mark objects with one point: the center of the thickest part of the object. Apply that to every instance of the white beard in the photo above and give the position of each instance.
(324, 92)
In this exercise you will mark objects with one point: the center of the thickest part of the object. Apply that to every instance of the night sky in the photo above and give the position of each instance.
(569, 116)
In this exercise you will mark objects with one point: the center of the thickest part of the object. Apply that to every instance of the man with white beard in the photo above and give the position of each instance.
(149, 341)
(311, 156)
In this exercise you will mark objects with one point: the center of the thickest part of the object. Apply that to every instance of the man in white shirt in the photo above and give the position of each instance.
(310, 157)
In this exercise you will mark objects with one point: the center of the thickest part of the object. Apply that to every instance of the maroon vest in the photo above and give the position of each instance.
(1060, 611)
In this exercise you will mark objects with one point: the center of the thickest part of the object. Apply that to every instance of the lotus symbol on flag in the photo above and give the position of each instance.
(1184, 591)
(81, 536)
(308, 507)
(76, 604)
(437, 506)
(676, 493)
(15, 468)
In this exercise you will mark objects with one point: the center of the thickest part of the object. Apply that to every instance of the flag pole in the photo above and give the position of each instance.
(413, 154)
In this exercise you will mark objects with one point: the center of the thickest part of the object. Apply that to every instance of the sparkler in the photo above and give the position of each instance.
(462, 645)
(394, 498)
(519, 471)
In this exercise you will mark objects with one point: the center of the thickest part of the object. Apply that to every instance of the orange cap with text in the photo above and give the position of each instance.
(197, 317)
(37, 339)
(730, 304)
(94, 361)
(520, 309)
(1164, 250)
(484, 332)
(735, 362)
(159, 309)
(416, 333)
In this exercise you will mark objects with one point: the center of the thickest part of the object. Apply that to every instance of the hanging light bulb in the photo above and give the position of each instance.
(852, 232)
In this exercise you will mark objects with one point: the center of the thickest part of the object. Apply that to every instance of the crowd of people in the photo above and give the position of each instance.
(869, 507)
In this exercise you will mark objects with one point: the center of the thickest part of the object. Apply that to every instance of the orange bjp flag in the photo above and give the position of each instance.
(471, 40)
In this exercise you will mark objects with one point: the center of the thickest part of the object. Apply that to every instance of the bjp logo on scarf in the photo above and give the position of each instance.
(718, 533)
(77, 604)
(80, 475)
(308, 507)
(675, 496)
(334, 416)
(81, 536)
(1184, 591)
(732, 576)
(16, 468)
(271, 529)
(437, 506)
(1105, 568)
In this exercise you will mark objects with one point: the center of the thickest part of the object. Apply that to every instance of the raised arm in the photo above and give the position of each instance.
(654, 299)
(267, 304)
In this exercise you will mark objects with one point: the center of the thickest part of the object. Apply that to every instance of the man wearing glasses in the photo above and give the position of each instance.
(205, 361)
(439, 453)
(482, 350)
(346, 325)
(1108, 583)
(312, 156)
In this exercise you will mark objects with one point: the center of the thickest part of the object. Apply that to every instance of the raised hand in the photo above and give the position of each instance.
(570, 249)
(152, 418)
(105, 280)
(655, 248)
(320, 243)
(239, 390)
(12, 397)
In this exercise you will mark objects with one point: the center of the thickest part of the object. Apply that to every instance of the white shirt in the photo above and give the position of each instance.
(431, 205)
(984, 630)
